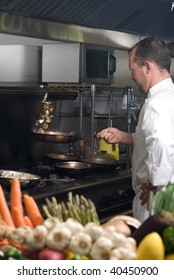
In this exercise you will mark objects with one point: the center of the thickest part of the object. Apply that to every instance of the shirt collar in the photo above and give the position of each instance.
(158, 86)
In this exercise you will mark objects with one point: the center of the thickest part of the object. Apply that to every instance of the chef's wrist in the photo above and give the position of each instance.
(153, 188)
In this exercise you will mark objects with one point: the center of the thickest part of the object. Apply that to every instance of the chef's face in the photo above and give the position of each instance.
(138, 73)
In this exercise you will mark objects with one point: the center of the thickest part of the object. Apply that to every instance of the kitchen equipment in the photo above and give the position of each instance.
(26, 179)
(56, 137)
(111, 192)
(74, 168)
(60, 157)
(99, 161)
(78, 63)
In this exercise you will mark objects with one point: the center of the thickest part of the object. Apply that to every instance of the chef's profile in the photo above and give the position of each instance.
(153, 139)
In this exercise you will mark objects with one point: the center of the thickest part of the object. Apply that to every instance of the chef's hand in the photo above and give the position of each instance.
(144, 196)
(110, 135)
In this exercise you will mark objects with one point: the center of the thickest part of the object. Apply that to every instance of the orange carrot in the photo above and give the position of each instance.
(4, 210)
(4, 242)
(33, 210)
(17, 211)
(28, 222)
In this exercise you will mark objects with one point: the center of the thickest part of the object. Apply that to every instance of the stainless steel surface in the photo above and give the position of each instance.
(61, 62)
(26, 179)
(56, 137)
(20, 65)
(74, 168)
(76, 63)
(60, 157)
(126, 16)
(58, 180)
(101, 161)
(112, 193)
(93, 91)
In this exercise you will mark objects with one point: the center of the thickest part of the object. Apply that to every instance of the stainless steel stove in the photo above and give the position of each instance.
(110, 191)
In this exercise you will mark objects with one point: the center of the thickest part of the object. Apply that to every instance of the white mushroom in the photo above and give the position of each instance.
(58, 237)
(120, 227)
(81, 243)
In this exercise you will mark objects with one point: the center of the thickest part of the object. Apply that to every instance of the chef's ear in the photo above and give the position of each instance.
(147, 65)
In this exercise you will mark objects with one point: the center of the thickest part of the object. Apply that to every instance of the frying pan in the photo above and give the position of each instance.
(100, 161)
(26, 179)
(56, 136)
(60, 157)
(102, 164)
(73, 168)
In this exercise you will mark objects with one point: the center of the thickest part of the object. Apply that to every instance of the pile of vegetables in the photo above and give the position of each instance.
(91, 241)
(161, 218)
(71, 230)
(15, 217)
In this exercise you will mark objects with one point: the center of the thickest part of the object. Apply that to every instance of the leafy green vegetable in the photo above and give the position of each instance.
(168, 239)
(164, 200)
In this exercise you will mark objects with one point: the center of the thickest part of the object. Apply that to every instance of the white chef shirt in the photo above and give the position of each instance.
(153, 153)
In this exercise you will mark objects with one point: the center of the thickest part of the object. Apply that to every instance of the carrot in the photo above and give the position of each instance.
(28, 221)
(17, 211)
(4, 210)
(4, 242)
(33, 210)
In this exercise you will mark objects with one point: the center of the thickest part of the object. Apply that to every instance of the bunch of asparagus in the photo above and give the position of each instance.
(77, 207)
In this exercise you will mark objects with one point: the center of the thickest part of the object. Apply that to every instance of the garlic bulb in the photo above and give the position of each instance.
(58, 238)
(94, 230)
(18, 235)
(122, 253)
(118, 239)
(130, 244)
(36, 238)
(101, 248)
(51, 222)
(73, 225)
(81, 243)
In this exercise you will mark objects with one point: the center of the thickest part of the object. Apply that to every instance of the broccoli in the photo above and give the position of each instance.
(168, 239)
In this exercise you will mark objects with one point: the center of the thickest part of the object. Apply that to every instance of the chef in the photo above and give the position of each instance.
(153, 139)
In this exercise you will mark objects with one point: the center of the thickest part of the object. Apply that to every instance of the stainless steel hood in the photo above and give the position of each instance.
(136, 17)
(116, 23)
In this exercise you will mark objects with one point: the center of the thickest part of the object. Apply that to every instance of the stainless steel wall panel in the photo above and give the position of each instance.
(20, 65)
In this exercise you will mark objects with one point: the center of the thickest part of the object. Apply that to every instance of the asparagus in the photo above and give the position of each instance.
(76, 207)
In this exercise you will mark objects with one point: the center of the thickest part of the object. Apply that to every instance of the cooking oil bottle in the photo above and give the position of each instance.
(109, 149)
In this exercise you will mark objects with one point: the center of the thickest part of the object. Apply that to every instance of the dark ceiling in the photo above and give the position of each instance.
(144, 17)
